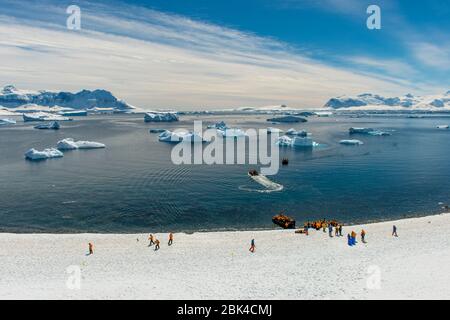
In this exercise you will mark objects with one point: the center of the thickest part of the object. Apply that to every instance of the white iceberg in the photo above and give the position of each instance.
(160, 117)
(34, 154)
(351, 142)
(7, 121)
(293, 132)
(70, 144)
(368, 131)
(297, 141)
(444, 126)
(48, 126)
(43, 116)
(232, 133)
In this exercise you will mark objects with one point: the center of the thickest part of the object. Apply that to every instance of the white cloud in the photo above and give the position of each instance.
(152, 59)
(433, 55)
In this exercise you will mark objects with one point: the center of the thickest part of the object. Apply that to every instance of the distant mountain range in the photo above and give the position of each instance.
(367, 101)
(11, 97)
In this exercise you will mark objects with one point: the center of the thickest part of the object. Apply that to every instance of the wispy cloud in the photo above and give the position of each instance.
(433, 55)
(154, 59)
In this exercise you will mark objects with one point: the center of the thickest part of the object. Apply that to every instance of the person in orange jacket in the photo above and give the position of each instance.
(170, 239)
(151, 238)
(156, 244)
(363, 236)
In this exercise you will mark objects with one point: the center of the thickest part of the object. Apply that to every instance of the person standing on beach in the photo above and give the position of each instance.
(151, 240)
(330, 230)
(349, 239)
(363, 236)
(156, 244)
(340, 230)
(91, 248)
(170, 239)
(252, 246)
(394, 231)
(336, 231)
(353, 237)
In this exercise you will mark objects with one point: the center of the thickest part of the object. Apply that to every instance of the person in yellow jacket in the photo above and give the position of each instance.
(152, 240)
(156, 244)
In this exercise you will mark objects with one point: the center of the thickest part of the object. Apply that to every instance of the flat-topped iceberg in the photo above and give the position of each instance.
(70, 144)
(288, 119)
(368, 131)
(351, 142)
(48, 126)
(444, 126)
(160, 117)
(43, 116)
(7, 121)
(34, 154)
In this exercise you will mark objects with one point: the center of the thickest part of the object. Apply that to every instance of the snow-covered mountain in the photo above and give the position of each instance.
(368, 101)
(11, 97)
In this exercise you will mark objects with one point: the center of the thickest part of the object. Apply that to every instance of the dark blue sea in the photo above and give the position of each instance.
(132, 185)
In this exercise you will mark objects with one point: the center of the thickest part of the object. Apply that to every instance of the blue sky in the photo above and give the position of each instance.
(212, 54)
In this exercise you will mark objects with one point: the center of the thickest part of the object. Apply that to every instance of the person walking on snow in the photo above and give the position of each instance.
(91, 248)
(330, 230)
(252, 246)
(363, 236)
(394, 231)
(151, 238)
(170, 239)
(156, 244)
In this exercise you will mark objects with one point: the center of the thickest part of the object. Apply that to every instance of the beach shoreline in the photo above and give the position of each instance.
(218, 265)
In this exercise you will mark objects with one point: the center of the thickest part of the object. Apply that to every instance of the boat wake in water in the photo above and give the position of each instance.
(269, 185)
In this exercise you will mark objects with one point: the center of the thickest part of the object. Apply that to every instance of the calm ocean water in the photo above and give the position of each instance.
(132, 186)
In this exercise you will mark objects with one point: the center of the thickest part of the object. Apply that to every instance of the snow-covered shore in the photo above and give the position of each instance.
(218, 265)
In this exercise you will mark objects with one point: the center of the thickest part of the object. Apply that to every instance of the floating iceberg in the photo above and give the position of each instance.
(368, 131)
(445, 126)
(43, 116)
(232, 133)
(157, 130)
(293, 132)
(7, 121)
(34, 154)
(75, 113)
(296, 142)
(50, 126)
(180, 136)
(160, 117)
(219, 125)
(70, 144)
(351, 142)
(288, 119)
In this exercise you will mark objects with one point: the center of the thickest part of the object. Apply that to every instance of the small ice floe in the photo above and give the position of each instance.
(444, 126)
(70, 144)
(351, 142)
(232, 133)
(34, 154)
(157, 130)
(274, 130)
(219, 125)
(48, 126)
(74, 113)
(5, 121)
(293, 132)
(160, 117)
(287, 119)
(368, 131)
